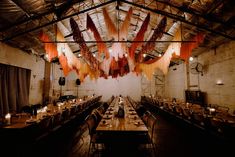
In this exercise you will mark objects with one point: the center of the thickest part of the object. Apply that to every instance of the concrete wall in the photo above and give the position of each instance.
(175, 82)
(219, 65)
(16, 57)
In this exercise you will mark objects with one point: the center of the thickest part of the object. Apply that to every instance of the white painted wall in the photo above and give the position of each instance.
(16, 57)
(127, 85)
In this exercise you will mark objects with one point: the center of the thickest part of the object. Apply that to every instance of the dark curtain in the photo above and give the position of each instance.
(14, 88)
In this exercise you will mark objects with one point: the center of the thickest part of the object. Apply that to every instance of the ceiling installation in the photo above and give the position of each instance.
(101, 38)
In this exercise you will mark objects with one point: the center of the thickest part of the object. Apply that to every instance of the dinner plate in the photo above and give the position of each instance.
(30, 121)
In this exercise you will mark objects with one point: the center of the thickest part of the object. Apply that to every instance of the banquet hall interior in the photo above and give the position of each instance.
(117, 78)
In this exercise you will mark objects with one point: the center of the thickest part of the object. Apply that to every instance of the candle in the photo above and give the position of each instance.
(8, 118)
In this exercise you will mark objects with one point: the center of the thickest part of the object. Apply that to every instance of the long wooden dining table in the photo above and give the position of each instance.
(119, 129)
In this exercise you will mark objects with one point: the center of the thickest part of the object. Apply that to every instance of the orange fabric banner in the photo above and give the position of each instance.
(158, 32)
(139, 37)
(50, 48)
(187, 48)
(102, 48)
(64, 64)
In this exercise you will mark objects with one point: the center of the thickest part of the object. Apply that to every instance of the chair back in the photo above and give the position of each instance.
(26, 109)
(145, 117)
(90, 121)
(56, 119)
(44, 124)
(151, 125)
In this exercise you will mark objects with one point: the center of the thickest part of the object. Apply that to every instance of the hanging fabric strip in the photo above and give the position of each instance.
(118, 49)
(164, 62)
(123, 33)
(119, 68)
(50, 48)
(187, 48)
(64, 64)
(102, 48)
(63, 48)
(139, 37)
(126, 23)
(77, 36)
(112, 31)
(158, 32)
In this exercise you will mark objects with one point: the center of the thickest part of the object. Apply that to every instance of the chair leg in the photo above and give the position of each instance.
(89, 150)
(153, 148)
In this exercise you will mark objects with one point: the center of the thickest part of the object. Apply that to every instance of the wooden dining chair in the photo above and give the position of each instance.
(151, 122)
(91, 123)
(146, 116)
(56, 122)
(26, 109)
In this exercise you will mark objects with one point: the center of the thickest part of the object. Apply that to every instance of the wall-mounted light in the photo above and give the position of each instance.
(219, 82)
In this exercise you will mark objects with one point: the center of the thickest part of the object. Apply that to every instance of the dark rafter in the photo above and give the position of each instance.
(178, 18)
(207, 17)
(22, 9)
(56, 20)
(40, 16)
(123, 41)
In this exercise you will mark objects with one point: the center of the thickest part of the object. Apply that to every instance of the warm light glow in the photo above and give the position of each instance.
(94, 55)
(110, 50)
(144, 55)
(212, 109)
(219, 82)
(159, 55)
(46, 56)
(8, 115)
(63, 49)
(126, 55)
(8, 118)
(190, 58)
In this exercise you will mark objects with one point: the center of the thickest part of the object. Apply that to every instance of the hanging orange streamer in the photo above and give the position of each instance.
(187, 48)
(77, 36)
(139, 37)
(157, 34)
(118, 49)
(50, 48)
(102, 48)
(64, 64)
(164, 62)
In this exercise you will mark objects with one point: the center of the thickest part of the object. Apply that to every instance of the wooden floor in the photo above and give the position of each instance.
(172, 139)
